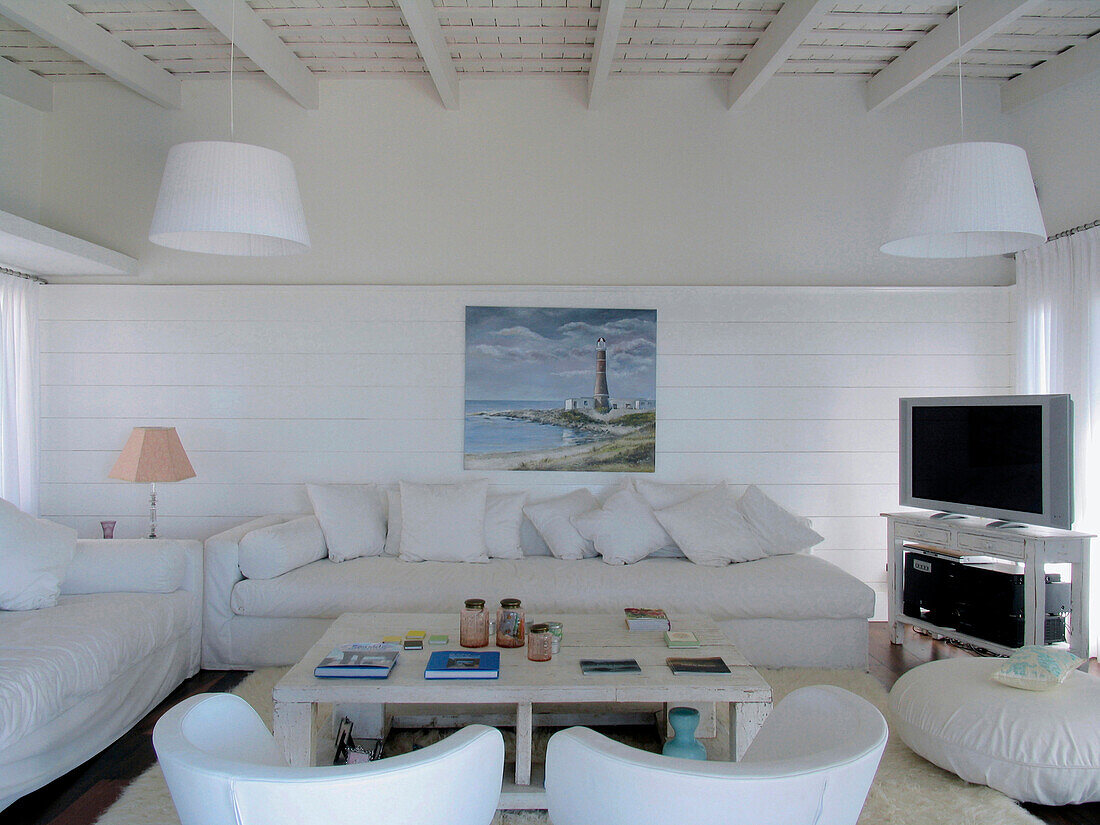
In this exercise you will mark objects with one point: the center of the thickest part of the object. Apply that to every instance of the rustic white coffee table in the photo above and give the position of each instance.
(522, 685)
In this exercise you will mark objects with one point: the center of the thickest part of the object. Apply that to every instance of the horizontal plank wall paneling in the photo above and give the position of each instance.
(794, 389)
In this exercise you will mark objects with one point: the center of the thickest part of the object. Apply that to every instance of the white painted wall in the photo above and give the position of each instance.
(21, 142)
(792, 389)
(523, 184)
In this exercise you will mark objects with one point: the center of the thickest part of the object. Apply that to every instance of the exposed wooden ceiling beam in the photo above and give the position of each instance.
(1079, 63)
(980, 20)
(423, 22)
(603, 52)
(263, 47)
(25, 86)
(784, 34)
(60, 24)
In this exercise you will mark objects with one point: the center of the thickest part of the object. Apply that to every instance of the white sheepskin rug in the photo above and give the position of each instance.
(907, 790)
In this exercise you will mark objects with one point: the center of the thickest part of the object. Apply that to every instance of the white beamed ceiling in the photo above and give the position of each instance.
(351, 37)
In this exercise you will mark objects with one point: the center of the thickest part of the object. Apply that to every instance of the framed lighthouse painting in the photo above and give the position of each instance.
(551, 388)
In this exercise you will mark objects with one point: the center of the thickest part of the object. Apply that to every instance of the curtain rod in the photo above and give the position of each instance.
(5, 270)
(1074, 231)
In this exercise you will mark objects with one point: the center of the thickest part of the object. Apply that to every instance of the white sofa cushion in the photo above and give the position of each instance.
(503, 524)
(125, 566)
(50, 660)
(279, 548)
(352, 517)
(780, 531)
(1035, 746)
(552, 519)
(662, 494)
(710, 529)
(443, 522)
(624, 530)
(789, 587)
(33, 556)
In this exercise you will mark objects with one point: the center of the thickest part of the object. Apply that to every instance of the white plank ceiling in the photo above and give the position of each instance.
(334, 38)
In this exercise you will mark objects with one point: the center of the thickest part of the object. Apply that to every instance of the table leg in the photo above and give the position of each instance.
(746, 719)
(524, 743)
(294, 732)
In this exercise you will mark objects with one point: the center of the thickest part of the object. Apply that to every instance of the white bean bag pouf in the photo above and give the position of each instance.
(1035, 746)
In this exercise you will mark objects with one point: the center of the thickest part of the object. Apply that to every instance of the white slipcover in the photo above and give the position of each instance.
(1035, 746)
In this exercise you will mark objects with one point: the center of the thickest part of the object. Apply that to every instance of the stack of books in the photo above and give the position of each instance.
(646, 618)
(358, 661)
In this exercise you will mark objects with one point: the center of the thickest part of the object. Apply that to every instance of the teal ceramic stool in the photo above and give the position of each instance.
(683, 743)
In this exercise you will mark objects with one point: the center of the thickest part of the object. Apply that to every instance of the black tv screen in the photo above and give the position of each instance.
(1006, 457)
(982, 456)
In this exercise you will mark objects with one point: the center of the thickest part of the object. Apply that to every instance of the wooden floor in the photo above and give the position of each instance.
(81, 796)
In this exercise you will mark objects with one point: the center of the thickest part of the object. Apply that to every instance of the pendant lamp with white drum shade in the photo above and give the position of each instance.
(965, 199)
(229, 198)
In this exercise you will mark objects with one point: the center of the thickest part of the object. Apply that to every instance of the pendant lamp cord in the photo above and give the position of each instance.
(232, 41)
(959, 32)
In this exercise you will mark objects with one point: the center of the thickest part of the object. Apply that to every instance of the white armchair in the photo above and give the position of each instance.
(811, 764)
(224, 768)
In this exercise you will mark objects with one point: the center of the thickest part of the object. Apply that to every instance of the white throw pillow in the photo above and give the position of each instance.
(279, 548)
(443, 522)
(503, 523)
(352, 518)
(624, 530)
(660, 494)
(33, 556)
(780, 531)
(710, 528)
(551, 519)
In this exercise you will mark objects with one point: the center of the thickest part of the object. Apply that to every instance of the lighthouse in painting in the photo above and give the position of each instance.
(600, 394)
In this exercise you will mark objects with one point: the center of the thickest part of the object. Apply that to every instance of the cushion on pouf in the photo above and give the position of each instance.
(1033, 746)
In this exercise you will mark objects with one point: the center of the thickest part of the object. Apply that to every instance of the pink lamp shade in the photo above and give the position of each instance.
(153, 454)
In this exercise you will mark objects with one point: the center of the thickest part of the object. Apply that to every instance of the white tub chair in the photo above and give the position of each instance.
(224, 768)
(811, 764)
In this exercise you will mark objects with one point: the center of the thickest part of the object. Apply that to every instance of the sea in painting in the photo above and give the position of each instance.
(568, 389)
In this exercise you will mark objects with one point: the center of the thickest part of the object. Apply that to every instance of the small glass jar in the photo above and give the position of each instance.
(540, 643)
(473, 624)
(557, 629)
(510, 623)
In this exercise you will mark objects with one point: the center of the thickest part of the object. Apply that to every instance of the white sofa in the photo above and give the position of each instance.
(76, 676)
(782, 611)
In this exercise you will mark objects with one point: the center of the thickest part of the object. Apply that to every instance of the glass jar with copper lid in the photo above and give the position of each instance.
(473, 624)
(539, 643)
(510, 624)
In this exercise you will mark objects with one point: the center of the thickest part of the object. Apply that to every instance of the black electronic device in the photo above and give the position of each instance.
(985, 601)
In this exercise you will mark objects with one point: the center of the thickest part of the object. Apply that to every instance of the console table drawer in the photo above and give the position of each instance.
(991, 546)
(935, 535)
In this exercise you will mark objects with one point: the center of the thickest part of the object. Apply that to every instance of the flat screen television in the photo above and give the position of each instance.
(1005, 457)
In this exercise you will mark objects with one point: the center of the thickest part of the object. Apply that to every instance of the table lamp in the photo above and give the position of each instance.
(153, 454)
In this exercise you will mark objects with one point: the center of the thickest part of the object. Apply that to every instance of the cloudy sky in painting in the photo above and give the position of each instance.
(549, 354)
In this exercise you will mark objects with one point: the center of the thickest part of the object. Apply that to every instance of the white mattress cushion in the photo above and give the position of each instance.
(789, 587)
(33, 556)
(51, 658)
(1036, 746)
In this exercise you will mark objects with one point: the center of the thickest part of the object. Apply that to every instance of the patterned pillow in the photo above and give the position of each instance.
(1036, 668)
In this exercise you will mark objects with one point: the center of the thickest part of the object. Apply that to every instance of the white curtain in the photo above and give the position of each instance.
(1058, 350)
(19, 392)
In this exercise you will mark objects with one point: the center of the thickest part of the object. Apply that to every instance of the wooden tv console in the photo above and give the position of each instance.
(1033, 547)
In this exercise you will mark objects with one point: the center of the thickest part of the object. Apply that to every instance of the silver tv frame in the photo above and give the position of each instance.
(1057, 423)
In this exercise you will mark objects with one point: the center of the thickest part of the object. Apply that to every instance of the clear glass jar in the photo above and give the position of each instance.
(557, 630)
(539, 643)
(510, 623)
(473, 624)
